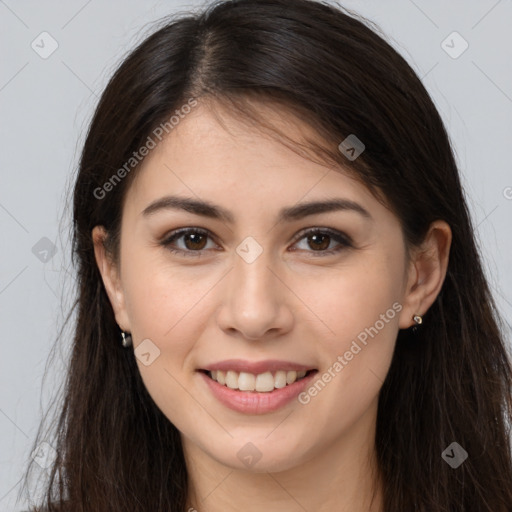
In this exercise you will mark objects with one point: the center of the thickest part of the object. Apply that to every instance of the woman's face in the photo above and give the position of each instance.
(255, 294)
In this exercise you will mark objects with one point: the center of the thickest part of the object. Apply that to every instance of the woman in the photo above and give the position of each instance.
(280, 305)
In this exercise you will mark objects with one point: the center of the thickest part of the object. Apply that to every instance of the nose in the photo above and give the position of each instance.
(255, 302)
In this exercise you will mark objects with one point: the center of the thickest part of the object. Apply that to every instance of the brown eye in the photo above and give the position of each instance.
(187, 241)
(319, 241)
(194, 241)
(324, 241)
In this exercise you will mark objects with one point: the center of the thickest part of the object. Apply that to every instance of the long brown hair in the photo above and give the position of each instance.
(449, 382)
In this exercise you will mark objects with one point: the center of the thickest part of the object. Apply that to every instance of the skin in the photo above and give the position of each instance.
(296, 305)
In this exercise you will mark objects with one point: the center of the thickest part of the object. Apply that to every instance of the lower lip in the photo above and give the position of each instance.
(254, 402)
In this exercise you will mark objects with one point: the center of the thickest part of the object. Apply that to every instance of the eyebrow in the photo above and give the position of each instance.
(296, 212)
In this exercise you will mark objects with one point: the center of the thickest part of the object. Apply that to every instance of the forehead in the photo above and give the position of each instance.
(211, 152)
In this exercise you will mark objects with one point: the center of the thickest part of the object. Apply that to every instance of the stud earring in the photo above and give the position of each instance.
(418, 319)
(126, 339)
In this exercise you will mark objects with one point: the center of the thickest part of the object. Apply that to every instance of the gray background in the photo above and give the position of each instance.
(45, 105)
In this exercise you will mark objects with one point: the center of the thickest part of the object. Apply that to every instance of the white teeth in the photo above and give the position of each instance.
(291, 376)
(280, 379)
(232, 380)
(246, 381)
(263, 382)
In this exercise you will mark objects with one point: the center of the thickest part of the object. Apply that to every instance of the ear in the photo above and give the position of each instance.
(427, 271)
(111, 279)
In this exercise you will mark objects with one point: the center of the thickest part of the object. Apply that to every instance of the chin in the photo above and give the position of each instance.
(256, 454)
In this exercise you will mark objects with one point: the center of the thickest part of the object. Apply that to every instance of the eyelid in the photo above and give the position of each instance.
(324, 230)
(178, 233)
(340, 237)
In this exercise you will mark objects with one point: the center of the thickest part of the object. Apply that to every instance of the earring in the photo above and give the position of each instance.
(418, 319)
(126, 339)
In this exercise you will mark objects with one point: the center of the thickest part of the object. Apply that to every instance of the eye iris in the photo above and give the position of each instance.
(194, 238)
(325, 240)
(197, 241)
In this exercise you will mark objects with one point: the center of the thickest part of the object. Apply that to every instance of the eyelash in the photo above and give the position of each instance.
(344, 240)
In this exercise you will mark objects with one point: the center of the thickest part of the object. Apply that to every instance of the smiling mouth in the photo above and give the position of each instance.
(261, 383)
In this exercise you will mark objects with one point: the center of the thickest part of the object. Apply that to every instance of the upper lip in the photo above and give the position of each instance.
(257, 367)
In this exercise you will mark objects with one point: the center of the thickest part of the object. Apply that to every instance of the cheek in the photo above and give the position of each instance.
(359, 311)
(169, 304)
(351, 299)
